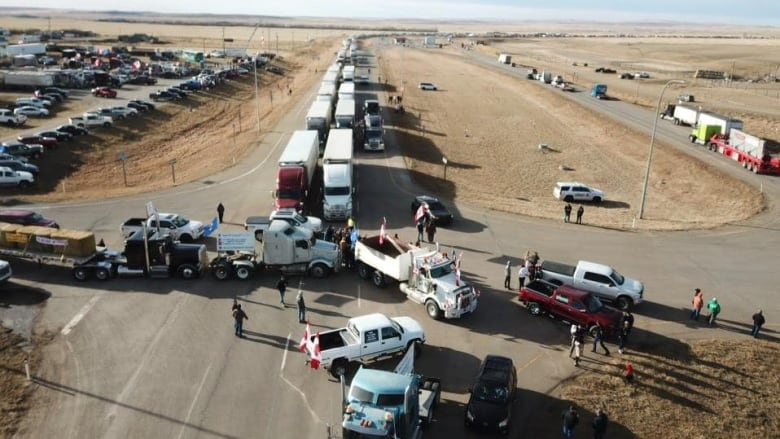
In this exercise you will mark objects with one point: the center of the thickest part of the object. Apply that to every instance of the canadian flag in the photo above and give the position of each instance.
(315, 355)
(457, 275)
(382, 231)
(305, 340)
(420, 212)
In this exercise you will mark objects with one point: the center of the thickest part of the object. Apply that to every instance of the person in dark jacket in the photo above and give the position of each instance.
(570, 420)
(566, 213)
(600, 424)
(281, 285)
(430, 229)
(220, 212)
(598, 338)
(301, 307)
(758, 322)
(580, 211)
(238, 318)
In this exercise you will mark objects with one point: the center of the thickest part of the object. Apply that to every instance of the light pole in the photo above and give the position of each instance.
(652, 143)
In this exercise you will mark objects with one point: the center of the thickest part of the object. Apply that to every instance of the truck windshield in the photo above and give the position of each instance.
(374, 134)
(343, 190)
(180, 221)
(491, 391)
(592, 303)
(288, 194)
(441, 270)
(618, 277)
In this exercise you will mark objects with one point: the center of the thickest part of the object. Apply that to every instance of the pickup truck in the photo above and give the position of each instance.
(601, 280)
(180, 228)
(7, 117)
(366, 338)
(20, 179)
(570, 304)
(91, 120)
(22, 150)
(259, 224)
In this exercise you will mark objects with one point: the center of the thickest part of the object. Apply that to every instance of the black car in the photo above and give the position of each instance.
(493, 395)
(626, 76)
(140, 105)
(142, 80)
(442, 216)
(275, 70)
(164, 95)
(176, 92)
(61, 136)
(63, 93)
(72, 129)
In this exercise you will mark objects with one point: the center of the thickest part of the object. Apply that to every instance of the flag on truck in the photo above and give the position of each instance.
(382, 231)
(316, 358)
(306, 339)
(421, 212)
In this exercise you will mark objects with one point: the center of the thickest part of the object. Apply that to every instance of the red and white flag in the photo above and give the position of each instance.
(420, 212)
(457, 275)
(306, 338)
(316, 358)
(382, 231)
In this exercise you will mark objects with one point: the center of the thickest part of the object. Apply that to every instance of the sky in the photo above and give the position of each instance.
(758, 12)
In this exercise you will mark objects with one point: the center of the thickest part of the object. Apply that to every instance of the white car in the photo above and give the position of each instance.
(427, 86)
(31, 110)
(573, 191)
(34, 102)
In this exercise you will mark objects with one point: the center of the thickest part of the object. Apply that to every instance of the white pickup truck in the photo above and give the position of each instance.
(601, 280)
(180, 228)
(259, 224)
(7, 117)
(426, 276)
(366, 338)
(92, 120)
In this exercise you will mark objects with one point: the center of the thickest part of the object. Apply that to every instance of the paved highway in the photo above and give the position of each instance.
(157, 358)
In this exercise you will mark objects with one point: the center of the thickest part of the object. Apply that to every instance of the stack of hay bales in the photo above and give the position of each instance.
(77, 243)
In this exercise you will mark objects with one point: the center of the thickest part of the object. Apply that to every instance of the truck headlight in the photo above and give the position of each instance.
(469, 416)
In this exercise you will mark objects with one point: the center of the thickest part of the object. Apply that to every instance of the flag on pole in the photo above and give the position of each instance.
(382, 231)
(457, 275)
(421, 211)
(316, 358)
(209, 229)
(305, 340)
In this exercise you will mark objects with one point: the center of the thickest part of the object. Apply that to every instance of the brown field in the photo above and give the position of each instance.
(489, 130)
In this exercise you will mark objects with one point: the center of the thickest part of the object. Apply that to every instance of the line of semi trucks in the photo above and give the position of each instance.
(725, 135)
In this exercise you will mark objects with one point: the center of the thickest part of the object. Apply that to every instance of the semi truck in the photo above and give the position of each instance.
(347, 91)
(295, 170)
(318, 118)
(337, 181)
(285, 248)
(25, 49)
(345, 114)
(26, 80)
(348, 74)
(332, 77)
(391, 405)
(599, 91)
(327, 92)
(757, 155)
(681, 114)
(724, 123)
(505, 58)
(424, 275)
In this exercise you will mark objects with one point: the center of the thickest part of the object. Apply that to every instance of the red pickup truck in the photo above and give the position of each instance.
(570, 304)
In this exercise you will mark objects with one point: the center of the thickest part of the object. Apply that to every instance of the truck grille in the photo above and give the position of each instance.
(465, 301)
(337, 211)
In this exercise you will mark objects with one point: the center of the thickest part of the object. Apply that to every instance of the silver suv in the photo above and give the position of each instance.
(572, 191)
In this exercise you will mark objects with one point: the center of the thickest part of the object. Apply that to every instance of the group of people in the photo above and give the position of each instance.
(343, 237)
(239, 315)
(578, 333)
(426, 224)
(567, 213)
(528, 270)
(713, 307)
(571, 418)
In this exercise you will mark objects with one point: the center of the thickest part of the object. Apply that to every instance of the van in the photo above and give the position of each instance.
(26, 218)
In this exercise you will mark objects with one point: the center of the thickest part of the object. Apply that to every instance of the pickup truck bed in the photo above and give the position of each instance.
(542, 287)
(331, 339)
(557, 267)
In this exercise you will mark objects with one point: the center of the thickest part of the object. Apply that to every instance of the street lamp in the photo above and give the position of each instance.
(652, 143)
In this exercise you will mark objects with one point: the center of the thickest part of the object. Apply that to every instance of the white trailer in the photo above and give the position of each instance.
(331, 77)
(686, 115)
(347, 91)
(337, 175)
(425, 275)
(726, 123)
(25, 49)
(505, 58)
(545, 77)
(345, 114)
(235, 52)
(752, 145)
(348, 74)
(302, 150)
(22, 79)
(327, 91)
(318, 118)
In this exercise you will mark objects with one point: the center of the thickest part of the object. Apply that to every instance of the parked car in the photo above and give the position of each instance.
(573, 191)
(6, 156)
(59, 135)
(30, 110)
(274, 69)
(73, 129)
(20, 149)
(643, 75)
(427, 86)
(33, 101)
(57, 90)
(165, 95)
(626, 76)
(177, 91)
(142, 80)
(492, 395)
(569, 304)
(442, 216)
(20, 179)
(47, 142)
(18, 165)
(54, 98)
(140, 105)
(26, 218)
(104, 92)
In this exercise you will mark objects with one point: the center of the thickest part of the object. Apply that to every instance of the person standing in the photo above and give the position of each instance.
(629, 319)
(598, 338)
(628, 374)
(420, 229)
(281, 285)
(623, 332)
(573, 334)
(579, 344)
(714, 308)
(220, 212)
(580, 211)
(329, 232)
(567, 213)
(301, 307)
(235, 304)
(508, 275)
(758, 322)
(238, 318)
(698, 303)
(570, 420)
(431, 230)
(600, 424)
(523, 273)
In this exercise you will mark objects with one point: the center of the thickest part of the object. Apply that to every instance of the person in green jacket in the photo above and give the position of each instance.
(714, 308)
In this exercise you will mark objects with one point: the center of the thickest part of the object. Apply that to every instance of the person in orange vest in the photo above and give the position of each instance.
(698, 303)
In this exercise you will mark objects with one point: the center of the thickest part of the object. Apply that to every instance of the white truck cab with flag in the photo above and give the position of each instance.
(426, 276)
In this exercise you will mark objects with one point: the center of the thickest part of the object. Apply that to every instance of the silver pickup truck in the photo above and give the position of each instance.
(601, 280)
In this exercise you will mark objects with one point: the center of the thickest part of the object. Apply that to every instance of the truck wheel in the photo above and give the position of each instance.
(319, 271)
(11, 123)
(592, 330)
(597, 199)
(80, 273)
(364, 271)
(433, 310)
(185, 238)
(24, 184)
(187, 271)
(623, 303)
(378, 279)
(534, 309)
(338, 368)
(107, 124)
(102, 274)
(221, 271)
(244, 272)
(568, 198)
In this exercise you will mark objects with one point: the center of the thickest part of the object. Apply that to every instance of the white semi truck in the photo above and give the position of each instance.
(345, 114)
(337, 181)
(318, 119)
(424, 275)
